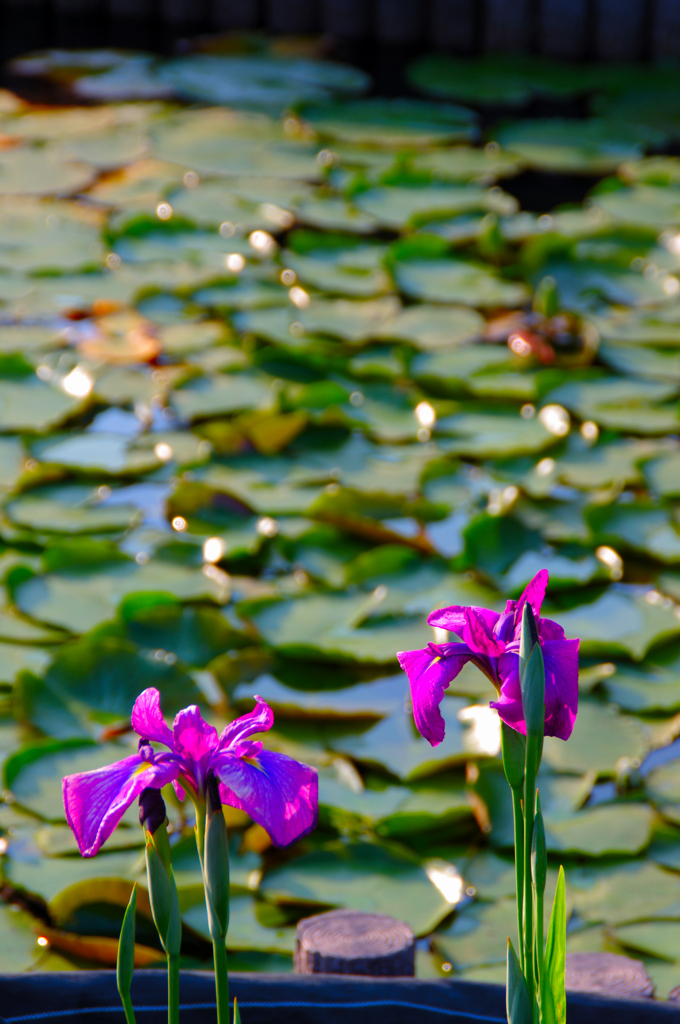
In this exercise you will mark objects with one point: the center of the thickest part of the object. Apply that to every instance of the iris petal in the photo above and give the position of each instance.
(429, 674)
(96, 801)
(147, 718)
(280, 794)
(452, 619)
(534, 592)
(260, 719)
(192, 736)
(478, 633)
(560, 658)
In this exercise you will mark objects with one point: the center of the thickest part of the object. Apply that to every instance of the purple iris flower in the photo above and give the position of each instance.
(491, 642)
(277, 792)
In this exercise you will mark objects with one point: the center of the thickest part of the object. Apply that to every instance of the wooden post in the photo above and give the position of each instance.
(563, 28)
(351, 942)
(619, 29)
(453, 25)
(608, 974)
(666, 29)
(508, 25)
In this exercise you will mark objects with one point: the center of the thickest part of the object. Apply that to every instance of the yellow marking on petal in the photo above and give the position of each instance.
(142, 768)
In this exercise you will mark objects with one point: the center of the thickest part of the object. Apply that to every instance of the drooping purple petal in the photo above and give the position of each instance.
(561, 686)
(260, 719)
(478, 633)
(534, 592)
(509, 703)
(280, 794)
(549, 630)
(96, 801)
(452, 619)
(560, 658)
(192, 735)
(429, 674)
(147, 718)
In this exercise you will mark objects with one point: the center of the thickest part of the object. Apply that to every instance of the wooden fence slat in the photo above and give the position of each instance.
(666, 29)
(346, 19)
(507, 25)
(563, 28)
(183, 12)
(452, 25)
(235, 14)
(77, 6)
(292, 15)
(133, 9)
(619, 29)
(399, 22)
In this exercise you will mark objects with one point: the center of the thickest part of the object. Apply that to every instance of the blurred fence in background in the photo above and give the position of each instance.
(600, 29)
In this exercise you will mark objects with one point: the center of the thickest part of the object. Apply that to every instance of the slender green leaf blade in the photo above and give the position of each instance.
(555, 952)
(125, 963)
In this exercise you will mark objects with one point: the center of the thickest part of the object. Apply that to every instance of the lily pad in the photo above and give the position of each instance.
(398, 207)
(92, 683)
(245, 931)
(392, 123)
(34, 773)
(42, 172)
(363, 877)
(602, 831)
(270, 83)
(457, 281)
(599, 739)
(78, 601)
(620, 621)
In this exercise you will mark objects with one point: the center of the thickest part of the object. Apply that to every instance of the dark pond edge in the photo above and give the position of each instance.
(90, 997)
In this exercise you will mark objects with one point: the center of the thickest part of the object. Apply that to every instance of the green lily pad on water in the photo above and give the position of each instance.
(394, 744)
(623, 829)
(398, 207)
(33, 774)
(269, 83)
(79, 601)
(361, 876)
(577, 147)
(626, 892)
(394, 123)
(18, 941)
(621, 620)
(75, 508)
(651, 938)
(245, 931)
(599, 739)
(94, 682)
(457, 281)
(642, 527)
(42, 172)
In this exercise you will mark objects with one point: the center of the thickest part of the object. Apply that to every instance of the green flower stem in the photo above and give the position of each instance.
(173, 990)
(518, 819)
(533, 756)
(129, 1009)
(199, 828)
(221, 981)
(218, 936)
